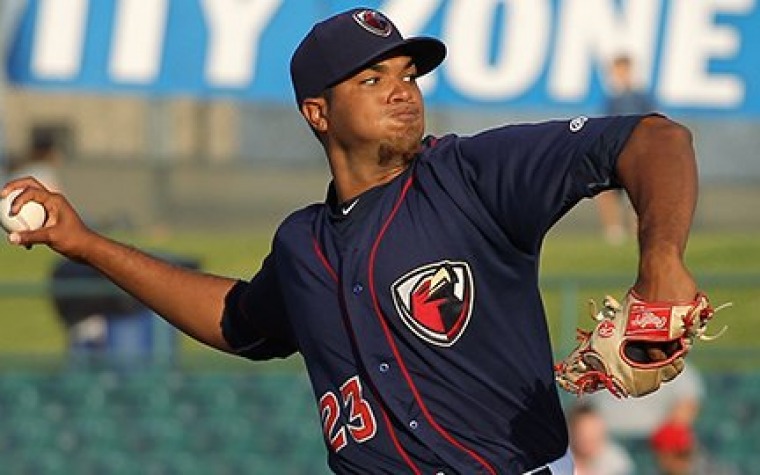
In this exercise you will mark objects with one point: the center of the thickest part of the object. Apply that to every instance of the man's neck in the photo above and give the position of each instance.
(354, 175)
(353, 183)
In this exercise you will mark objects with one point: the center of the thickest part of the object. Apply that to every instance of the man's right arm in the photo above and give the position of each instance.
(191, 301)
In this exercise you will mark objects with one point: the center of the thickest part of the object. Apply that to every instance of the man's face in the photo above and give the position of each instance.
(381, 105)
(621, 75)
(588, 436)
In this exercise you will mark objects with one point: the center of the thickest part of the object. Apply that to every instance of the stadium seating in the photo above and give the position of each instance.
(158, 422)
(164, 421)
(728, 427)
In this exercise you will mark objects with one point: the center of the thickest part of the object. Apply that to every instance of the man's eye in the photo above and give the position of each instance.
(370, 81)
(410, 77)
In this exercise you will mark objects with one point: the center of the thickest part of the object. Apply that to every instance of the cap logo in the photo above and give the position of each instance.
(374, 22)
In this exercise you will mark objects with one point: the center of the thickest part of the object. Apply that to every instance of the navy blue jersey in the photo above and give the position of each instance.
(416, 306)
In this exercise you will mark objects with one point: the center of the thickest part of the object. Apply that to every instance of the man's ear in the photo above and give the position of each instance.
(314, 111)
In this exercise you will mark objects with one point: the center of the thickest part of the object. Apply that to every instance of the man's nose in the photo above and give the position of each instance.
(401, 91)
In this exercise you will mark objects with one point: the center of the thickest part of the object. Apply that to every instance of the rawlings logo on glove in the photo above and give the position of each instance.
(635, 347)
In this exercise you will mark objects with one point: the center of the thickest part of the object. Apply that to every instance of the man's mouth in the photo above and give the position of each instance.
(405, 115)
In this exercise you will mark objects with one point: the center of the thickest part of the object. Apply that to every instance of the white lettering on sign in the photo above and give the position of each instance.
(59, 38)
(523, 46)
(499, 50)
(235, 28)
(411, 18)
(591, 32)
(692, 40)
(138, 39)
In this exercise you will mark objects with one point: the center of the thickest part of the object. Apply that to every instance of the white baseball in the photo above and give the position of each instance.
(32, 215)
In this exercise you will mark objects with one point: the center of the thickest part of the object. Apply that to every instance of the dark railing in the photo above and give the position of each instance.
(570, 289)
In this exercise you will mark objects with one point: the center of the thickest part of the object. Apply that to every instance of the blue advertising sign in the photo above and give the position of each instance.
(695, 56)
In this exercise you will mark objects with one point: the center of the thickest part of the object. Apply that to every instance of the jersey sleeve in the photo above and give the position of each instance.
(255, 322)
(529, 175)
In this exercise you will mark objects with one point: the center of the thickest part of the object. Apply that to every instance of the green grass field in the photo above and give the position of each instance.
(575, 267)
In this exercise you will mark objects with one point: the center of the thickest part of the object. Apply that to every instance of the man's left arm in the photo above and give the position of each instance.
(637, 346)
(657, 167)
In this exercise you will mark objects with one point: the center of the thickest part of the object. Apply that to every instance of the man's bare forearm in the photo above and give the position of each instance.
(658, 170)
(191, 301)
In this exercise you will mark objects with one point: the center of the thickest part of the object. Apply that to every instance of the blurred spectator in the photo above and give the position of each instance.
(677, 452)
(624, 97)
(594, 452)
(634, 420)
(42, 161)
(638, 418)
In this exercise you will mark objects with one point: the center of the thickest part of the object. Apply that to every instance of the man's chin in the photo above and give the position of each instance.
(398, 153)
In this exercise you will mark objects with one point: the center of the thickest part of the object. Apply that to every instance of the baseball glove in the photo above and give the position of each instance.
(636, 347)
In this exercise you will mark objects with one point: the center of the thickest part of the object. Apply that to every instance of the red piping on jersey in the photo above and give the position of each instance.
(394, 348)
(323, 259)
(391, 431)
(394, 439)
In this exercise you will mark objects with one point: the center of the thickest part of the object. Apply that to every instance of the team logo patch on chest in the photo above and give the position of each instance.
(435, 301)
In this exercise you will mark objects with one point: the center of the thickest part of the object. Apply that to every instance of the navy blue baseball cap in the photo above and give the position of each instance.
(344, 44)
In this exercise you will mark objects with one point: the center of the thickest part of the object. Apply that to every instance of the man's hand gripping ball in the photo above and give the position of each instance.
(635, 347)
